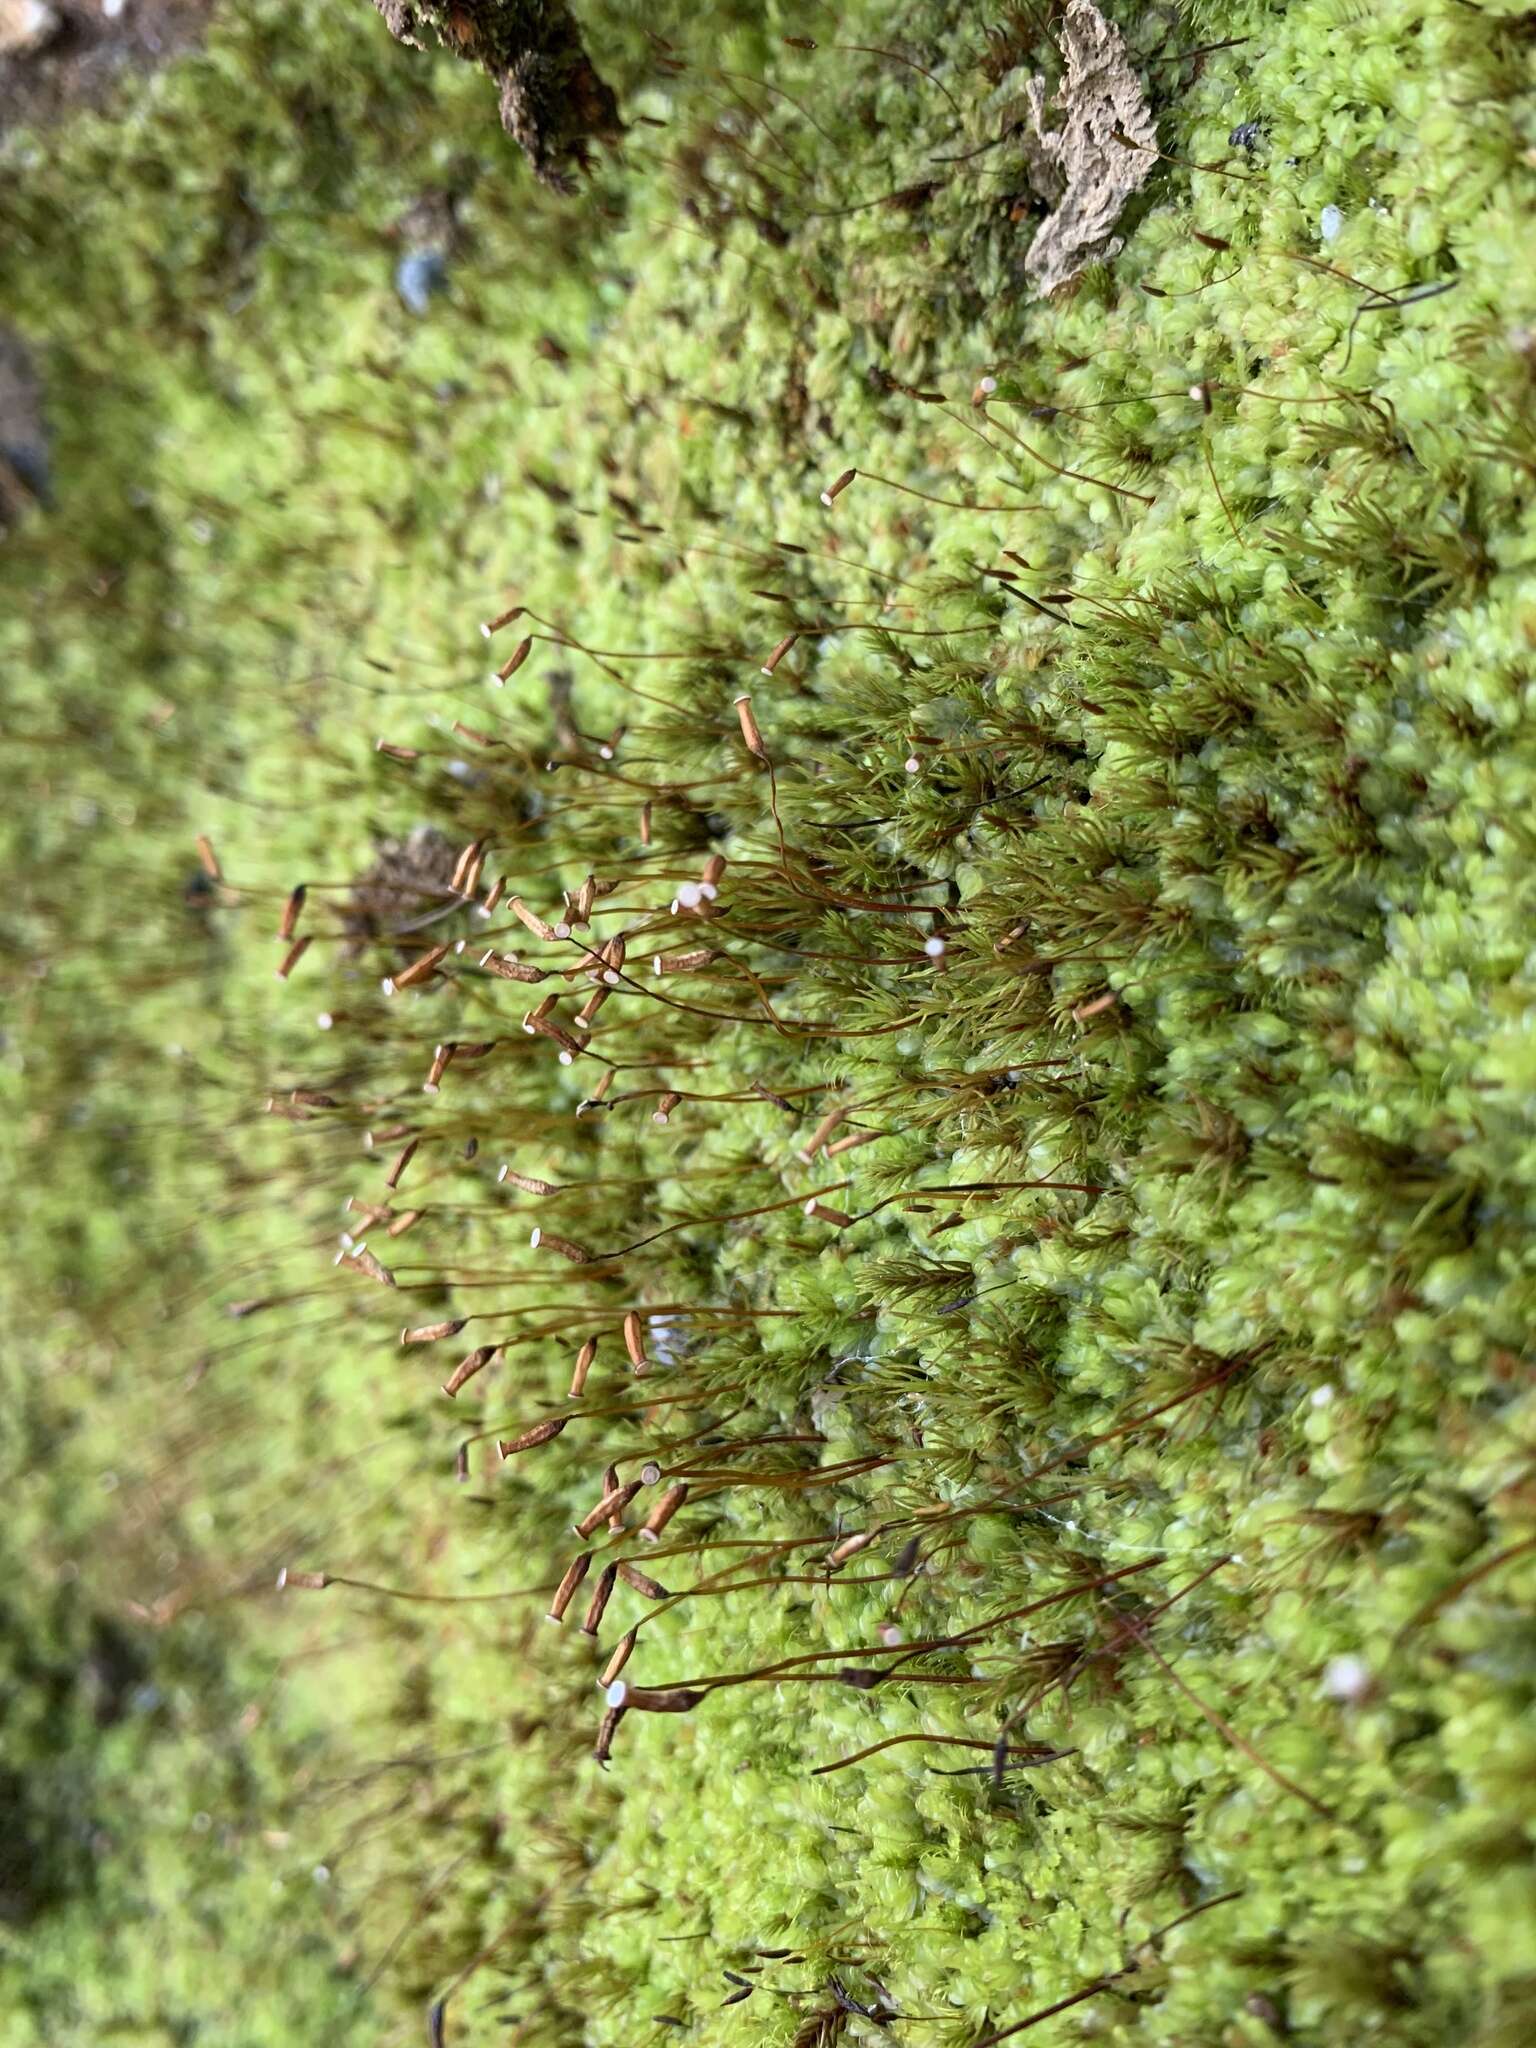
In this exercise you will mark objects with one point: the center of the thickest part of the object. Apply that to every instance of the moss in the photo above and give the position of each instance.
(1233, 881)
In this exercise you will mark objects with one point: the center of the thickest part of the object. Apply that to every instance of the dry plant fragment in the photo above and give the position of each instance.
(1079, 165)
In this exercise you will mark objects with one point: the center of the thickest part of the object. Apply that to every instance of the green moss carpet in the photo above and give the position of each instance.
(1034, 1104)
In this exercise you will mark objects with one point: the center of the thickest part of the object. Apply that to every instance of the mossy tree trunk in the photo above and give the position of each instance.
(554, 104)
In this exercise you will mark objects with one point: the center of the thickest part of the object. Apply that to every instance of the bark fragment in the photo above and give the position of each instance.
(1074, 158)
(553, 103)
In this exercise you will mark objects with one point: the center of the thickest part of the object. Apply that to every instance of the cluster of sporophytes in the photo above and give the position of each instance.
(930, 1101)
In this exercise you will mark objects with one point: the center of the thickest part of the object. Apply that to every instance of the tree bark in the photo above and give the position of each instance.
(553, 103)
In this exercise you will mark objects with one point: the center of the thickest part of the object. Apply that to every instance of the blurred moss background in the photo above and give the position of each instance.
(286, 480)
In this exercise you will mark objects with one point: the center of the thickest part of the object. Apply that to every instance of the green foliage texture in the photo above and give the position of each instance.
(1168, 1333)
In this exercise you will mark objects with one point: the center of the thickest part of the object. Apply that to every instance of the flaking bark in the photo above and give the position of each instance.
(552, 101)
(1074, 158)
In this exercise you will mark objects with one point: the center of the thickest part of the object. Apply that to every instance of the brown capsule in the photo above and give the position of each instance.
(239, 1310)
(645, 823)
(611, 1484)
(596, 1606)
(584, 900)
(540, 927)
(623, 1651)
(373, 1139)
(527, 1182)
(302, 1582)
(363, 1261)
(494, 894)
(634, 1343)
(749, 728)
(291, 1112)
(654, 1699)
(571, 1043)
(565, 1592)
(590, 1008)
(582, 1367)
(682, 963)
(592, 1101)
(402, 1160)
(470, 883)
(502, 619)
(406, 754)
(406, 1220)
(852, 1142)
(290, 916)
(779, 653)
(607, 1729)
(293, 956)
(665, 1107)
(650, 1473)
(442, 1058)
(849, 1547)
(420, 970)
(433, 1333)
(515, 660)
(208, 858)
(662, 1513)
(712, 871)
(822, 1132)
(1096, 1008)
(823, 1214)
(609, 1508)
(530, 1439)
(837, 489)
(467, 1367)
(532, 1019)
(566, 1247)
(466, 860)
(612, 957)
(642, 1582)
(507, 969)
